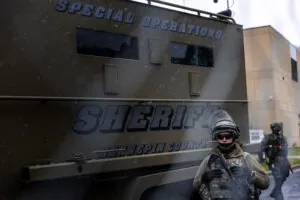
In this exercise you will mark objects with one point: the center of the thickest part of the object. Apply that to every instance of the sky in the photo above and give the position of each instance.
(283, 15)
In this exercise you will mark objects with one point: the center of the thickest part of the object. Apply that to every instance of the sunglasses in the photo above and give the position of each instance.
(227, 136)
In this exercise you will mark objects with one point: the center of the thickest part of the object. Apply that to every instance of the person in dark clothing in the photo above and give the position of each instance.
(275, 147)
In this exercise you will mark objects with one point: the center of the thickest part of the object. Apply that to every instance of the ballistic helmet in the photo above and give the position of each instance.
(221, 121)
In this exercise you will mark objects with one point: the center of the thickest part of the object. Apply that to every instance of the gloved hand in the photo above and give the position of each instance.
(241, 172)
(210, 175)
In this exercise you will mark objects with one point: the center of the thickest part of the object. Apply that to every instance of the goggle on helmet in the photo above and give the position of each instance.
(225, 125)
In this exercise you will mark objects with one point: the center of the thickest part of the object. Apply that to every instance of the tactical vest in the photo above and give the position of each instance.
(277, 153)
(225, 187)
(278, 149)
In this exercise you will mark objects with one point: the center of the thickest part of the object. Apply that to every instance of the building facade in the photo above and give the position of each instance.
(272, 81)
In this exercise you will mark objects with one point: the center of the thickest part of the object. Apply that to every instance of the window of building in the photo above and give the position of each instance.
(100, 43)
(185, 54)
(294, 70)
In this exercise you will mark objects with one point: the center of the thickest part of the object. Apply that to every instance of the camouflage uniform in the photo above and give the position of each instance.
(238, 174)
(223, 188)
(275, 147)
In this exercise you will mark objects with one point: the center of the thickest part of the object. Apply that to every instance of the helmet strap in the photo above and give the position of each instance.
(227, 148)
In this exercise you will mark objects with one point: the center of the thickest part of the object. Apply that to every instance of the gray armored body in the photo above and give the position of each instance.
(111, 99)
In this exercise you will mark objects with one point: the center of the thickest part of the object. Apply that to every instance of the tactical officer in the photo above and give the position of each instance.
(229, 172)
(275, 147)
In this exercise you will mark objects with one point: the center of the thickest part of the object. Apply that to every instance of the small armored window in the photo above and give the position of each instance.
(100, 43)
(185, 54)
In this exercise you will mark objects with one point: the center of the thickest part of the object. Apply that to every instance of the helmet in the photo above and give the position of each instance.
(275, 127)
(221, 121)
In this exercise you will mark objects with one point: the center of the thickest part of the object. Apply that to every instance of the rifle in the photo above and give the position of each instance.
(290, 167)
(225, 165)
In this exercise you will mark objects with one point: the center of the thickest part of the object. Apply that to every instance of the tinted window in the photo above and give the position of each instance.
(100, 43)
(191, 55)
(294, 70)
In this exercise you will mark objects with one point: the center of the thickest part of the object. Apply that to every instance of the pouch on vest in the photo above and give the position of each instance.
(227, 187)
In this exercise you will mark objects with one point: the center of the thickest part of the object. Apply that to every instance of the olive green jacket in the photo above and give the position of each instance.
(259, 176)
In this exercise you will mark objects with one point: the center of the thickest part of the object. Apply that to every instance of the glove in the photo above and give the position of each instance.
(210, 175)
(241, 172)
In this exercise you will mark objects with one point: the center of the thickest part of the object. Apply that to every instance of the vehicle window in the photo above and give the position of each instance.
(185, 54)
(101, 43)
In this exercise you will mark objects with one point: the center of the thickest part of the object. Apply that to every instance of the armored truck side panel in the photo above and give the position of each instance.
(111, 94)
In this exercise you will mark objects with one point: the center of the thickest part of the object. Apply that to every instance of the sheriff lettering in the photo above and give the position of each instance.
(152, 148)
(134, 118)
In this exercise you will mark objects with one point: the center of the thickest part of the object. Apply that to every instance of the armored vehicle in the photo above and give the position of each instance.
(112, 99)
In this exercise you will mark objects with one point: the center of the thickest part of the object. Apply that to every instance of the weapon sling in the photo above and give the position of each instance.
(225, 165)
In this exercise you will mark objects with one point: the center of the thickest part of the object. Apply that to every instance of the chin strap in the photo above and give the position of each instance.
(227, 148)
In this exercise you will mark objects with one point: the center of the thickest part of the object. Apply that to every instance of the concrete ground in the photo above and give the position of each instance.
(290, 189)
